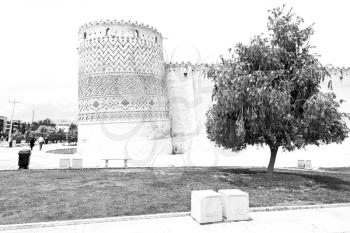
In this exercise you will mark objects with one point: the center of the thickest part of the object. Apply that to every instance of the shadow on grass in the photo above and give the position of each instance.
(336, 169)
(328, 181)
(246, 171)
(257, 178)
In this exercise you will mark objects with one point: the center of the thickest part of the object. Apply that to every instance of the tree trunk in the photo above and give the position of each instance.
(273, 150)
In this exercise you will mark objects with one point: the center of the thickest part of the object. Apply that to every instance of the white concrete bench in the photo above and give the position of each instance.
(308, 164)
(125, 161)
(304, 164)
(235, 204)
(71, 163)
(64, 163)
(77, 163)
(206, 206)
(301, 163)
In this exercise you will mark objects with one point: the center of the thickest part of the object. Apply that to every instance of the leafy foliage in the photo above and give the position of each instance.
(46, 122)
(73, 133)
(268, 92)
(59, 135)
(18, 137)
(44, 131)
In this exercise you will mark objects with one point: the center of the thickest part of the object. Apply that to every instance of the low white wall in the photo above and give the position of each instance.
(135, 140)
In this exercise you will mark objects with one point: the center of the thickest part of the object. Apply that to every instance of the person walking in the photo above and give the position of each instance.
(41, 142)
(31, 143)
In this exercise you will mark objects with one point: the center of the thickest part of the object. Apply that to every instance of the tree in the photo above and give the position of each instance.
(73, 127)
(24, 126)
(43, 128)
(34, 126)
(18, 137)
(44, 131)
(59, 135)
(73, 133)
(268, 93)
(47, 122)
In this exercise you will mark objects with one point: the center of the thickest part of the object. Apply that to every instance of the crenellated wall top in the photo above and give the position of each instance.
(185, 66)
(123, 29)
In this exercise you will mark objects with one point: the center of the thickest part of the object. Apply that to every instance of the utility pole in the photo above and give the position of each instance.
(14, 102)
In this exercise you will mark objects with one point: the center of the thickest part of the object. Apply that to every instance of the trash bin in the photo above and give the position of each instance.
(23, 159)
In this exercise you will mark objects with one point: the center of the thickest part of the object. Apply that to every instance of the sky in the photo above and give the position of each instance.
(39, 40)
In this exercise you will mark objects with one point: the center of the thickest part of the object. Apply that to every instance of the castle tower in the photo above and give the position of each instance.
(123, 106)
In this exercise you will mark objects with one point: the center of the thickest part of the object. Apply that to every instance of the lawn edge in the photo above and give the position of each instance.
(155, 216)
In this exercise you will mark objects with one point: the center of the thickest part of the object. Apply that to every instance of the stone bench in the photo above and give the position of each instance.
(308, 164)
(66, 163)
(77, 163)
(235, 204)
(206, 206)
(125, 161)
(304, 164)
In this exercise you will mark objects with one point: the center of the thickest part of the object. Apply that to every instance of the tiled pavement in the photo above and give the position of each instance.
(325, 220)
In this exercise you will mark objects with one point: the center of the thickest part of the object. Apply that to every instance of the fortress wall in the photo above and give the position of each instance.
(189, 94)
(203, 87)
(340, 79)
(181, 105)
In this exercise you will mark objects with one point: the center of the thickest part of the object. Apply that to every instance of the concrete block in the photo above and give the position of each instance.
(235, 204)
(308, 164)
(77, 163)
(206, 206)
(64, 163)
(301, 163)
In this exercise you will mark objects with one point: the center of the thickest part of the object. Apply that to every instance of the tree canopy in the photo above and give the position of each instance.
(46, 122)
(268, 92)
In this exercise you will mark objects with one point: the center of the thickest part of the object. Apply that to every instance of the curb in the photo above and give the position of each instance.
(300, 207)
(90, 221)
(155, 216)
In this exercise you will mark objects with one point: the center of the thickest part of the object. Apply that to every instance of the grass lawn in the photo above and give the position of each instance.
(47, 195)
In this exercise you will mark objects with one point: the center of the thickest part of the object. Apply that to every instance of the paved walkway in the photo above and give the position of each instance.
(326, 220)
(333, 155)
(38, 159)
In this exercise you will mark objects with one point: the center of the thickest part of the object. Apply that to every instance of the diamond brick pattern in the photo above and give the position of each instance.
(121, 79)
